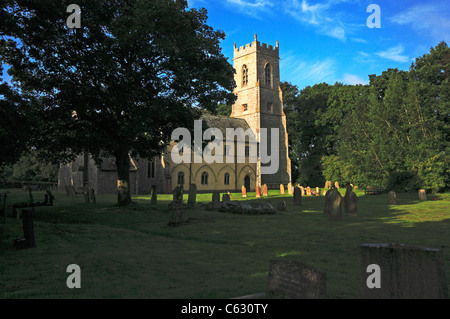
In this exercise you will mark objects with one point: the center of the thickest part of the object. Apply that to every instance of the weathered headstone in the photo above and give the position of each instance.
(178, 194)
(296, 280)
(216, 196)
(244, 191)
(422, 194)
(324, 192)
(302, 189)
(192, 199)
(258, 192)
(154, 198)
(308, 191)
(265, 190)
(297, 196)
(405, 272)
(317, 191)
(328, 184)
(281, 189)
(178, 216)
(350, 202)
(336, 184)
(290, 191)
(28, 226)
(392, 198)
(334, 204)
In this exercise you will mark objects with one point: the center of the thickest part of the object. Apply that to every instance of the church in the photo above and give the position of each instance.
(259, 105)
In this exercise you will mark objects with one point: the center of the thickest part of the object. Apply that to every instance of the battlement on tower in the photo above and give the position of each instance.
(256, 46)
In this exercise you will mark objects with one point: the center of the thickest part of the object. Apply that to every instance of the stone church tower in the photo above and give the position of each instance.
(260, 102)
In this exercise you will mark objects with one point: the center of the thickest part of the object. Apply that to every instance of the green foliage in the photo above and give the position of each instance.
(119, 85)
(392, 133)
(402, 182)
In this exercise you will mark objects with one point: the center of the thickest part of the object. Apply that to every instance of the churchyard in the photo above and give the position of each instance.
(133, 252)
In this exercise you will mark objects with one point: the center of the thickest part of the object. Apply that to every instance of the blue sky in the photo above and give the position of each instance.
(329, 40)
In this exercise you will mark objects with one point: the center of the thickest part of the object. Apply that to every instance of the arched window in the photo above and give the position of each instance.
(226, 179)
(204, 178)
(180, 178)
(268, 73)
(244, 75)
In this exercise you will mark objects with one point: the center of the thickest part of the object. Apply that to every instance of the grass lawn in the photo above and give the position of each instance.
(132, 252)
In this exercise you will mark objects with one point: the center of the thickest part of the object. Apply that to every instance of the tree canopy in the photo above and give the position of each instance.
(392, 133)
(120, 84)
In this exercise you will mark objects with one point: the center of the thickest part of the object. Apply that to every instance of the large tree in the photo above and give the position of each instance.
(120, 84)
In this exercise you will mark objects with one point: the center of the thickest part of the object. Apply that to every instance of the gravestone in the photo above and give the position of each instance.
(281, 189)
(265, 190)
(392, 198)
(225, 198)
(406, 272)
(328, 184)
(178, 217)
(302, 189)
(296, 280)
(350, 202)
(244, 191)
(258, 192)
(324, 192)
(422, 194)
(297, 196)
(4, 208)
(192, 199)
(308, 191)
(28, 227)
(317, 191)
(281, 206)
(216, 196)
(249, 207)
(72, 192)
(154, 199)
(336, 184)
(334, 200)
(178, 194)
(290, 188)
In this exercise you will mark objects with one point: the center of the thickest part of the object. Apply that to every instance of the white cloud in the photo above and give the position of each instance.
(427, 19)
(298, 69)
(394, 54)
(353, 79)
(319, 16)
(251, 7)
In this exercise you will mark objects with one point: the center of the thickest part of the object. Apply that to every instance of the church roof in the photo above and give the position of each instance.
(223, 122)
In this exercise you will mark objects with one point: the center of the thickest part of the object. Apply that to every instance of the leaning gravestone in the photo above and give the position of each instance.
(154, 199)
(405, 272)
(192, 199)
(422, 194)
(392, 198)
(350, 202)
(296, 280)
(281, 189)
(334, 204)
(297, 197)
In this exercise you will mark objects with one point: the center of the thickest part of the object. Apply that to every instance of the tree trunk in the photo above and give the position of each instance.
(123, 177)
